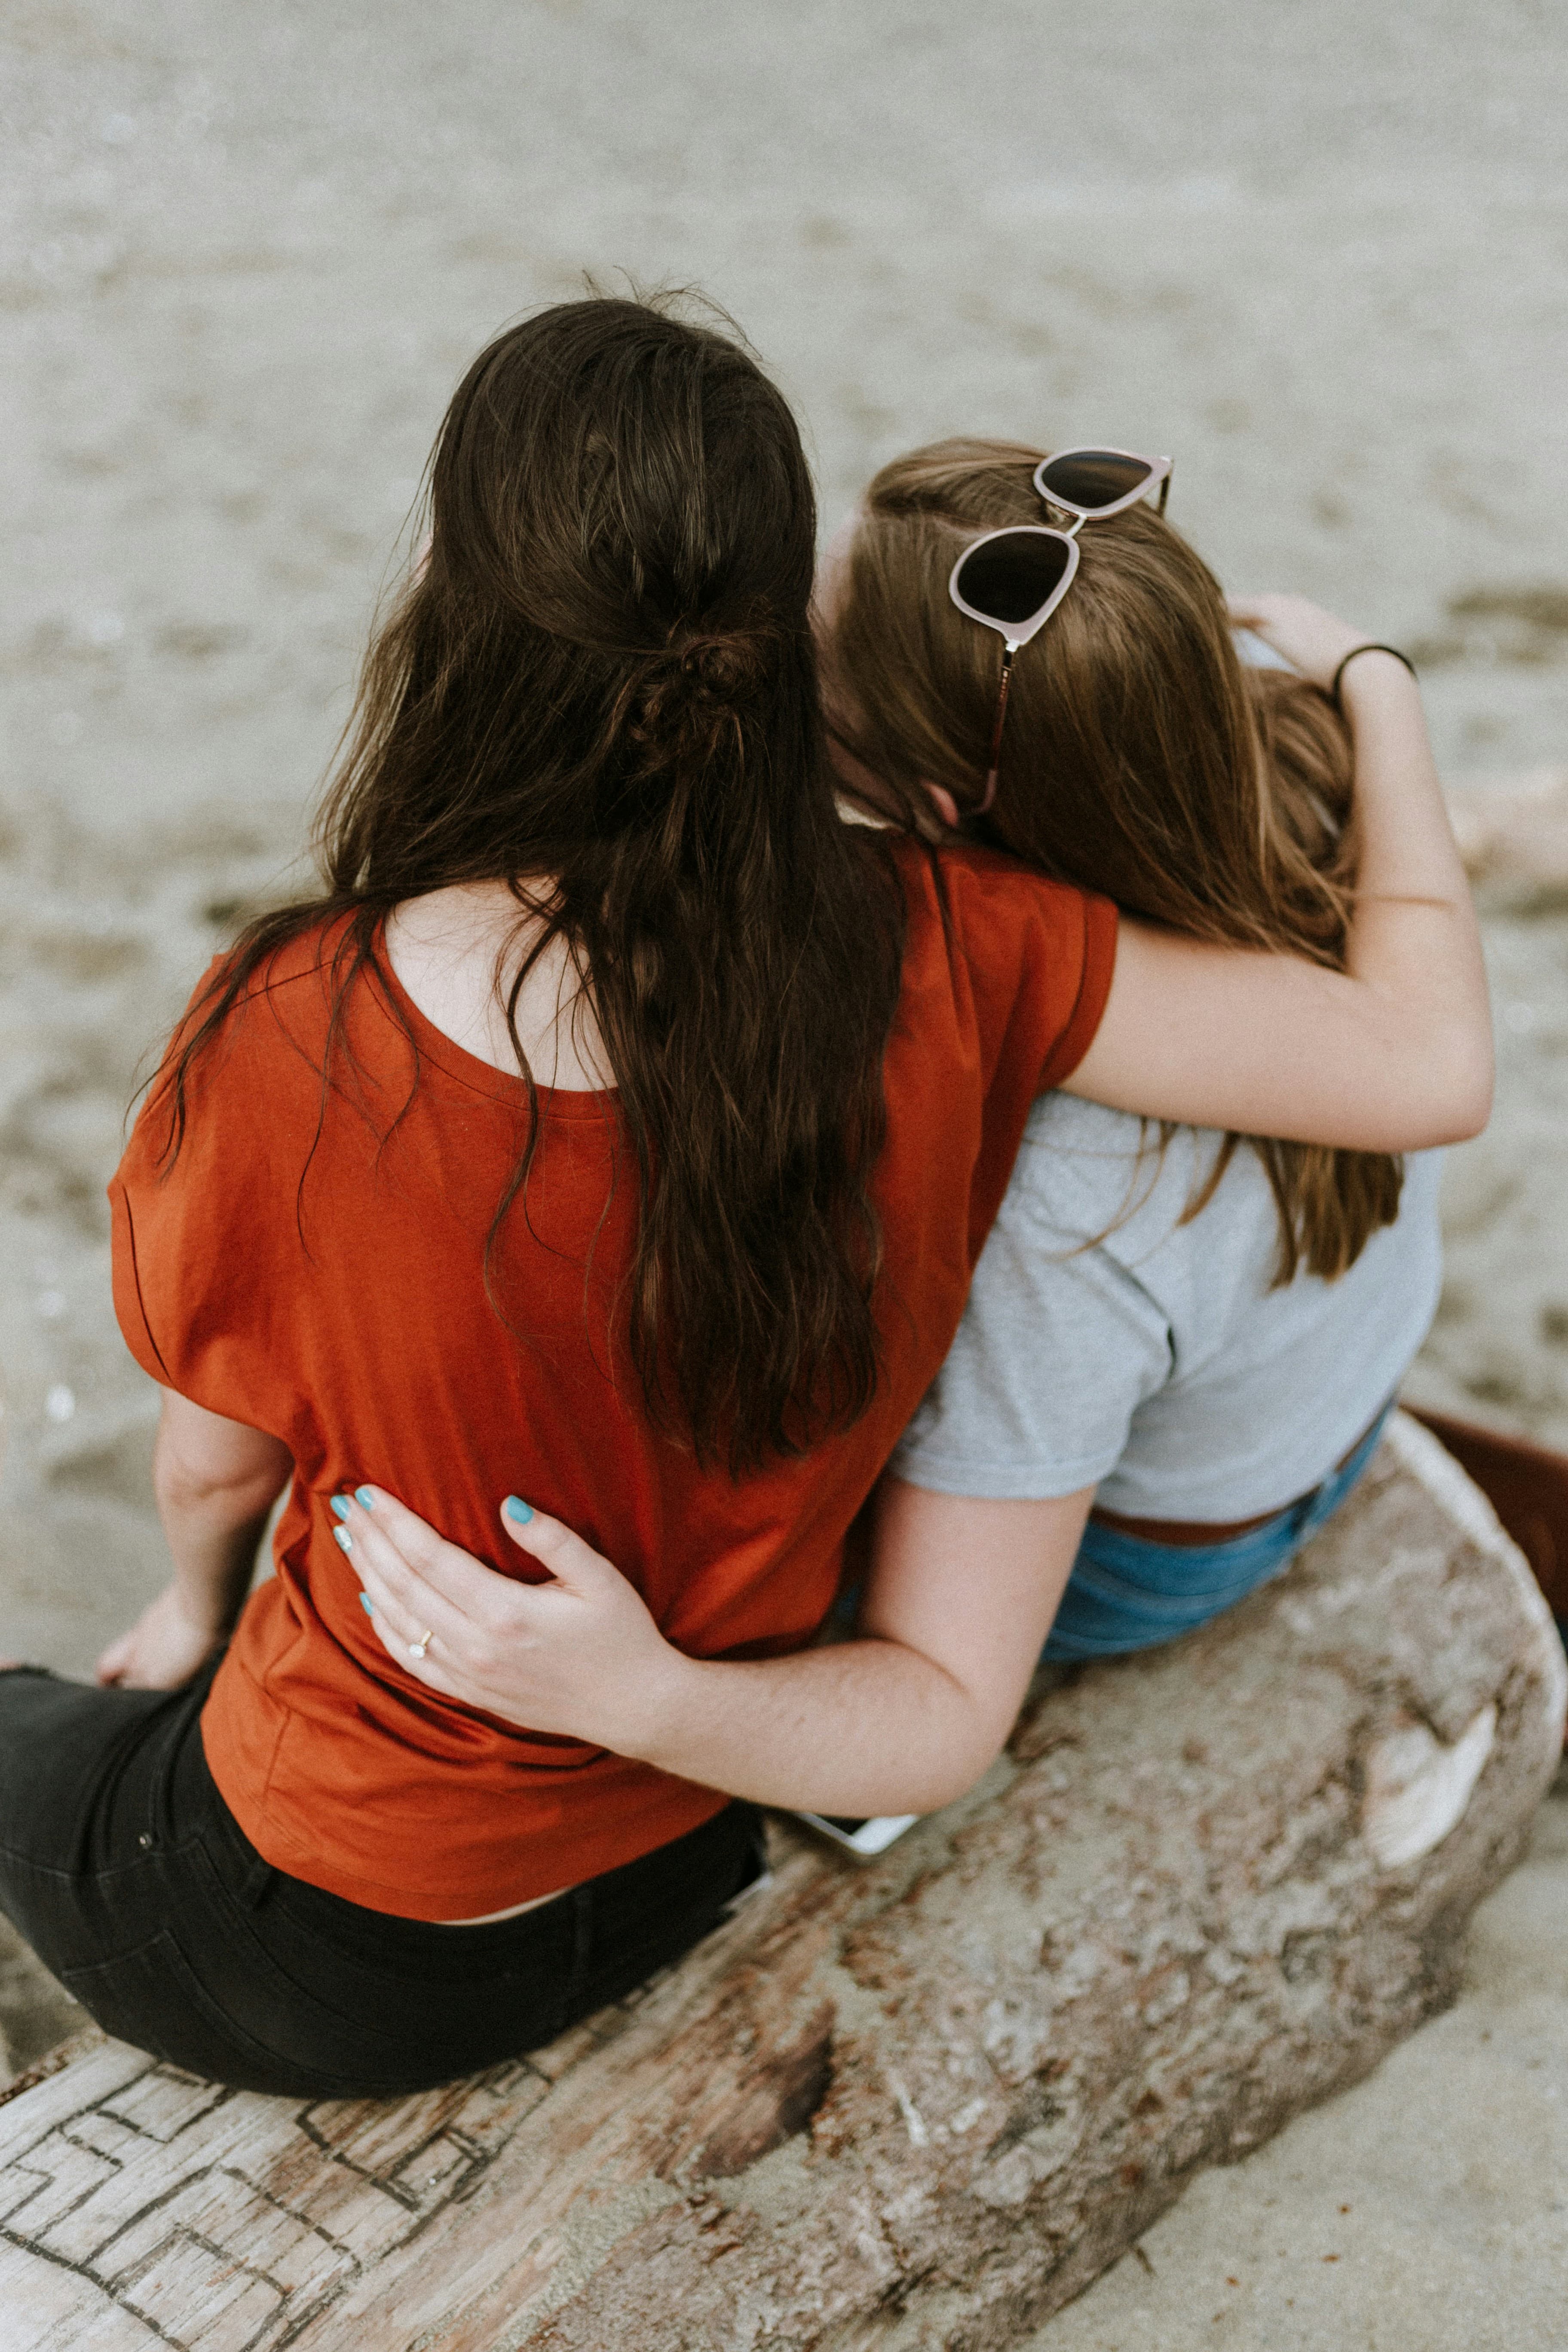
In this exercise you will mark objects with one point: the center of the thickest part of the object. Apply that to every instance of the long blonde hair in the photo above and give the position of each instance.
(1140, 758)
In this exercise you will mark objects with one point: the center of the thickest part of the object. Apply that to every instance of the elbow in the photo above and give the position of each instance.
(1444, 1095)
(948, 1790)
(948, 1778)
(1483, 1079)
(223, 1472)
(1473, 1119)
(180, 1487)
(958, 1750)
(1466, 1081)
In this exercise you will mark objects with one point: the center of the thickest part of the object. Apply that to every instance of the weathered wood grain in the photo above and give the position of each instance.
(917, 2105)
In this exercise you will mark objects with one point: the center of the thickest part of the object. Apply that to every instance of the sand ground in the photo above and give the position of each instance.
(1317, 252)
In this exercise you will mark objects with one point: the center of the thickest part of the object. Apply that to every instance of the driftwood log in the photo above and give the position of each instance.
(918, 2103)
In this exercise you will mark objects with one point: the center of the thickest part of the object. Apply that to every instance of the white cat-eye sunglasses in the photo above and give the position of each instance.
(1011, 580)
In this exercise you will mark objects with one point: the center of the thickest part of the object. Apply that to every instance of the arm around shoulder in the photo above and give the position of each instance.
(1392, 1053)
(1271, 1045)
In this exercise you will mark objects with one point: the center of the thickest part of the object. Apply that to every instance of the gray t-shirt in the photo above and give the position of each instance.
(1155, 1362)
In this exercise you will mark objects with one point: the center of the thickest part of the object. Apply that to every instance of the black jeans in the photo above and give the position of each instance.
(126, 1872)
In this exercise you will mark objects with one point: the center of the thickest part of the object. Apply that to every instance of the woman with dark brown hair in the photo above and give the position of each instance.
(618, 1124)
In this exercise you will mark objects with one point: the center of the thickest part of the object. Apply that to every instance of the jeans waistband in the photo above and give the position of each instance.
(1126, 1593)
(1202, 1532)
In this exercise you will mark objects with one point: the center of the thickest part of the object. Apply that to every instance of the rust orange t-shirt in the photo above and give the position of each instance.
(316, 1270)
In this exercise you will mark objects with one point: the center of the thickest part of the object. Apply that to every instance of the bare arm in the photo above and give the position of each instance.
(901, 1719)
(1391, 1055)
(214, 1481)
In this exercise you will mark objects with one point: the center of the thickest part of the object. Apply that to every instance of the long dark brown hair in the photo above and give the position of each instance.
(601, 689)
(1139, 758)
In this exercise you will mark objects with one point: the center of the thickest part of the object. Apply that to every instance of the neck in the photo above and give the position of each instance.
(458, 952)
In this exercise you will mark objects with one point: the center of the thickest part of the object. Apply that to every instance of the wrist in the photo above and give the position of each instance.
(1365, 662)
(667, 1698)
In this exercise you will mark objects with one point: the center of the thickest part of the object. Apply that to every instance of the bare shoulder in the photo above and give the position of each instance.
(457, 951)
(466, 919)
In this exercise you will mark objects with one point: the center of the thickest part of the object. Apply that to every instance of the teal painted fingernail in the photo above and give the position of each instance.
(339, 1505)
(516, 1508)
(367, 1604)
(364, 1497)
(342, 1536)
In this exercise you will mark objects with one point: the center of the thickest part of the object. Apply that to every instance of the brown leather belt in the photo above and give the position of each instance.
(1190, 1533)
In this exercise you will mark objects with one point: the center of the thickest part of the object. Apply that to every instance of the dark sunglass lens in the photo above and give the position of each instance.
(1092, 477)
(1009, 578)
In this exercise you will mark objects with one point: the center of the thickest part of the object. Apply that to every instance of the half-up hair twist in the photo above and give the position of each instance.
(697, 686)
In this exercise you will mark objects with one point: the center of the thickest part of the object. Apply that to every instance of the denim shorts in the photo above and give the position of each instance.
(1126, 1593)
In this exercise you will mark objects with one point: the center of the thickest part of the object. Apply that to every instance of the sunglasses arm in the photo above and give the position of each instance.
(1008, 650)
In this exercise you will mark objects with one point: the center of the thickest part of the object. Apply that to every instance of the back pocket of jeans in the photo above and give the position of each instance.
(151, 1997)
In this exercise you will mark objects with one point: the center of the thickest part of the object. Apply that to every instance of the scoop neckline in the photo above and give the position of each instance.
(472, 1070)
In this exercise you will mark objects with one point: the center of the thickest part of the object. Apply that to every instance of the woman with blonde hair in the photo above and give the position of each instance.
(1201, 1331)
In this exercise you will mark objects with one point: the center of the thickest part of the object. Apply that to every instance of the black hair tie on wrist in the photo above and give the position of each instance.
(1368, 648)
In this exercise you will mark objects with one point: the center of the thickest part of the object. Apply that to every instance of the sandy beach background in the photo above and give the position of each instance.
(1317, 252)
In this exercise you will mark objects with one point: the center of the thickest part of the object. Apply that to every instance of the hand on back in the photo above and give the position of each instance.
(578, 1657)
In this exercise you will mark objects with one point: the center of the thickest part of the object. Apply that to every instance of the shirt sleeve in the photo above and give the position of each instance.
(193, 1230)
(1059, 1345)
(130, 1308)
(1097, 972)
